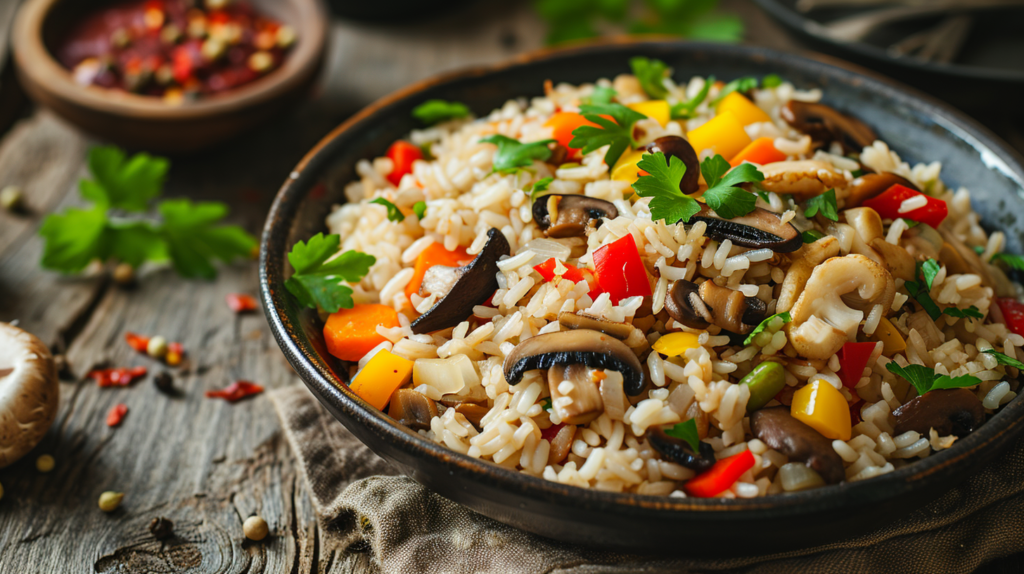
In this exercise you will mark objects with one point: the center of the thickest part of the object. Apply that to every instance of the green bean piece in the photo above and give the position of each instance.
(765, 381)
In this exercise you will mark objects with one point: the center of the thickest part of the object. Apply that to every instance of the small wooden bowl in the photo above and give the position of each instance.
(148, 123)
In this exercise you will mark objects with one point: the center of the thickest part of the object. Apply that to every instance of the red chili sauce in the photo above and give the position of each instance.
(175, 49)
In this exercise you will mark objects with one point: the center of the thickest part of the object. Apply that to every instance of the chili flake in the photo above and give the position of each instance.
(235, 391)
(137, 342)
(116, 414)
(241, 303)
(118, 377)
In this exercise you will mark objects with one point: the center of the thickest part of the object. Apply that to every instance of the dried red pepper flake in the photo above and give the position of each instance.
(136, 341)
(116, 414)
(235, 391)
(241, 303)
(117, 377)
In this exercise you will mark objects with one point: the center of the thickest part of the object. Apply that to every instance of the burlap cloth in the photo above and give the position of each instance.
(366, 507)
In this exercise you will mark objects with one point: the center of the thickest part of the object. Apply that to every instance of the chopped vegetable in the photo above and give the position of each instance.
(820, 406)
(925, 379)
(761, 151)
(764, 381)
(745, 110)
(721, 477)
(351, 333)
(1004, 359)
(620, 272)
(627, 168)
(930, 268)
(547, 272)
(118, 377)
(723, 135)
(614, 128)
(651, 74)
(562, 125)
(656, 109)
(686, 430)
(402, 155)
(431, 112)
(786, 318)
(825, 204)
(318, 273)
(601, 95)
(662, 184)
(675, 344)
(1013, 313)
(888, 206)
(723, 195)
(241, 303)
(742, 85)
(394, 214)
(235, 391)
(687, 109)
(384, 374)
(892, 340)
(513, 154)
(435, 254)
(853, 359)
(420, 209)
(116, 414)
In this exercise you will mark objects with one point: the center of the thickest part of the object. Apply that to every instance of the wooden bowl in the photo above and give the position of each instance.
(918, 127)
(146, 122)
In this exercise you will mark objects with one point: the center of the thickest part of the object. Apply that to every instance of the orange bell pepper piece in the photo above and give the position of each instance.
(761, 151)
(562, 124)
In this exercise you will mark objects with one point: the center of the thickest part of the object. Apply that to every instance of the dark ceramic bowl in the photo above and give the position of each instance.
(917, 127)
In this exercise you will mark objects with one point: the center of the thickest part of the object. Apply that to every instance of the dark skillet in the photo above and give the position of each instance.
(919, 128)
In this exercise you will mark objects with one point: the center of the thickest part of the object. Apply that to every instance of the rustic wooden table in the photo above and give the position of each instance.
(205, 464)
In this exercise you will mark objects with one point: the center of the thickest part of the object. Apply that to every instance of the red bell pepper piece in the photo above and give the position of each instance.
(235, 391)
(402, 154)
(853, 358)
(720, 477)
(241, 303)
(1013, 313)
(572, 273)
(620, 272)
(551, 432)
(888, 206)
(116, 414)
(855, 410)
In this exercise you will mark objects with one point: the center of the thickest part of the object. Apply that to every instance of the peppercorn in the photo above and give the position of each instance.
(285, 36)
(164, 382)
(45, 463)
(261, 62)
(124, 274)
(109, 500)
(161, 528)
(11, 198)
(255, 528)
(157, 347)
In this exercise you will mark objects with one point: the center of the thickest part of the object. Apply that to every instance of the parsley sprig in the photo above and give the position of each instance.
(1004, 359)
(188, 234)
(513, 154)
(651, 74)
(785, 316)
(319, 273)
(825, 204)
(686, 430)
(924, 379)
(538, 188)
(394, 214)
(431, 112)
(920, 292)
(671, 205)
(687, 109)
(616, 133)
(723, 195)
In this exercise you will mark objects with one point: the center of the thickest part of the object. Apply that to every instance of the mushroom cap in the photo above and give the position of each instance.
(948, 411)
(779, 430)
(803, 179)
(576, 347)
(574, 215)
(29, 392)
(825, 124)
(759, 229)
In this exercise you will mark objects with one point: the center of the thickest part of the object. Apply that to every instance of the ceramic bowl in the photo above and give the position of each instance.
(148, 123)
(919, 128)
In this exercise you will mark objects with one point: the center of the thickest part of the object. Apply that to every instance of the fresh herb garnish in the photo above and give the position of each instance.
(188, 234)
(394, 214)
(545, 404)
(811, 235)
(651, 75)
(617, 134)
(825, 204)
(786, 318)
(662, 185)
(972, 312)
(744, 84)
(686, 430)
(419, 208)
(687, 109)
(920, 293)
(857, 173)
(771, 81)
(722, 195)
(431, 112)
(513, 154)
(570, 20)
(317, 278)
(924, 379)
(1004, 359)
(601, 95)
(910, 223)
(538, 188)
(930, 269)
(1011, 260)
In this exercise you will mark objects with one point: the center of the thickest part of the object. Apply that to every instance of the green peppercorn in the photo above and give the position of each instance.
(11, 198)
(45, 463)
(764, 382)
(157, 347)
(109, 500)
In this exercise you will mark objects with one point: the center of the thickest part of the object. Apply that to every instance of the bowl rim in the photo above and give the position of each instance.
(318, 376)
(35, 61)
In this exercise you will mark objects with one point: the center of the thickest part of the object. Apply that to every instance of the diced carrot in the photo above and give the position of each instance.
(562, 124)
(381, 377)
(433, 255)
(351, 333)
(760, 151)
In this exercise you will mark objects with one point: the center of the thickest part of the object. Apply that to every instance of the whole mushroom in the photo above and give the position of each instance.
(28, 392)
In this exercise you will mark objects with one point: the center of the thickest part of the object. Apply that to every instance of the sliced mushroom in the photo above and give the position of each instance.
(778, 429)
(871, 185)
(680, 148)
(759, 229)
(838, 295)
(412, 409)
(575, 394)
(960, 258)
(825, 124)
(870, 242)
(805, 260)
(570, 215)
(28, 392)
(473, 411)
(948, 411)
(679, 451)
(474, 284)
(577, 347)
(561, 443)
(803, 179)
(709, 304)
(620, 331)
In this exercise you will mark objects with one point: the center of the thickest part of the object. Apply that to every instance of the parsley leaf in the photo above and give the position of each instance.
(394, 214)
(686, 430)
(722, 195)
(924, 379)
(811, 235)
(651, 75)
(193, 239)
(617, 134)
(930, 269)
(824, 204)
(420, 209)
(431, 112)
(546, 404)
(687, 109)
(662, 184)
(74, 238)
(1012, 261)
(921, 295)
(786, 318)
(122, 183)
(744, 84)
(771, 81)
(538, 188)
(317, 278)
(972, 312)
(1003, 359)
(136, 242)
(602, 95)
(513, 154)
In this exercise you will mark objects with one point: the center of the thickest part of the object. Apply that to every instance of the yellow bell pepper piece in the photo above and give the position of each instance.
(657, 109)
(381, 377)
(820, 406)
(625, 169)
(892, 341)
(722, 134)
(745, 110)
(675, 344)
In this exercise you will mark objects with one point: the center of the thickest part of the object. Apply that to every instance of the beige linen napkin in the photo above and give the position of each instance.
(411, 530)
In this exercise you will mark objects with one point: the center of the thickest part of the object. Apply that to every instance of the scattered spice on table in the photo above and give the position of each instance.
(241, 303)
(136, 341)
(117, 377)
(124, 275)
(235, 391)
(110, 500)
(255, 528)
(12, 199)
(175, 352)
(45, 463)
(116, 414)
(161, 528)
(156, 347)
(164, 382)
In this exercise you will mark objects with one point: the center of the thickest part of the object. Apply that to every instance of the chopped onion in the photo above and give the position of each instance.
(613, 397)
(445, 375)
(545, 249)
(796, 476)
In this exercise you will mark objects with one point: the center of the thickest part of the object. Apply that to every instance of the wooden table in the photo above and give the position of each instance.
(205, 464)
